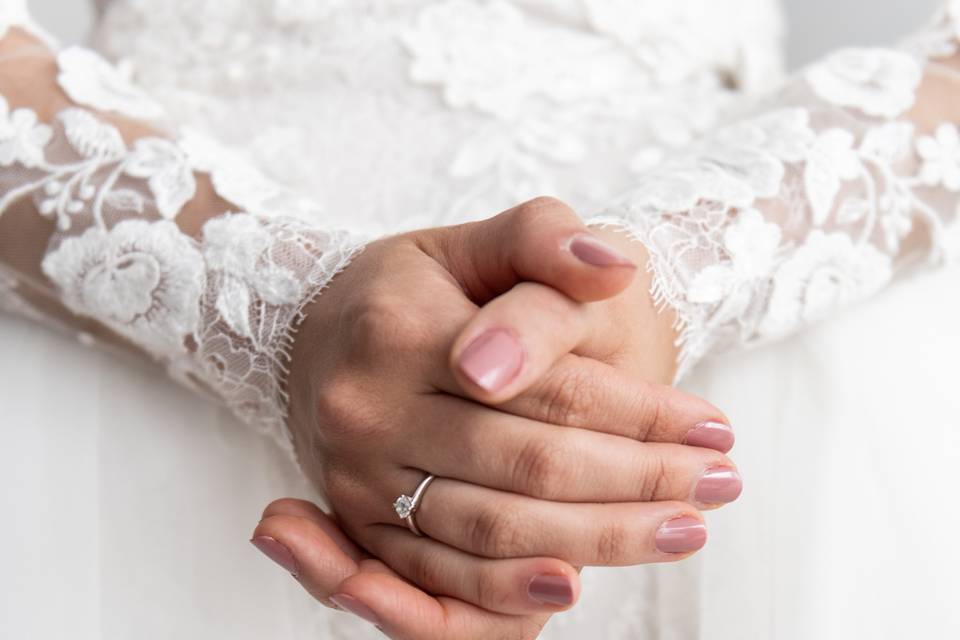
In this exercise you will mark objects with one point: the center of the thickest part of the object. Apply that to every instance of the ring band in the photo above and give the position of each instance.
(406, 506)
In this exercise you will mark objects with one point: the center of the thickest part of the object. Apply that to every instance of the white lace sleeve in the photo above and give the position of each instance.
(107, 219)
(844, 179)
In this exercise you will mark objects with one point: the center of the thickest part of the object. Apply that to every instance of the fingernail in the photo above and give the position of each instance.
(718, 485)
(492, 360)
(277, 552)
(711, 435)
(681, 535)
(598, 253)
(354, 606)
(551, 590)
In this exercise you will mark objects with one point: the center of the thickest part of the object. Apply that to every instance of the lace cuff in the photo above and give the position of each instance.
(216, 306)
(847, 177)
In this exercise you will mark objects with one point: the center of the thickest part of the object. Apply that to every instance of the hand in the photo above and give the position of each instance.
(339, 574)
(373, 408)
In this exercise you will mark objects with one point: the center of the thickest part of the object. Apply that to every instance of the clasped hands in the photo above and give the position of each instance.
(522, 361)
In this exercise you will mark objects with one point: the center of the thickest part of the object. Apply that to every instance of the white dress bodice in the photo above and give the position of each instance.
(416, 113)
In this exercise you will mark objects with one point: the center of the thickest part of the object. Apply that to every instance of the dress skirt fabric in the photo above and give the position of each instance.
(128, 502)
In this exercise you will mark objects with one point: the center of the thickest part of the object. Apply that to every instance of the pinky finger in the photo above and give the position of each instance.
(404, 612)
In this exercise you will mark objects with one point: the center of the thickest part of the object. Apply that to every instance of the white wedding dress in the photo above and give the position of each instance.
(128, 498)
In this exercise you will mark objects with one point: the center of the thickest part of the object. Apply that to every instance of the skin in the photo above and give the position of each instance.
(379, 397)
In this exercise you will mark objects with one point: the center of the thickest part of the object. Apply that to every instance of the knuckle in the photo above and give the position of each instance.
(650, 412)
(533, 214)
(282, 505)
(426, 570)
(611, 544)
(655, 479)
(382, 324)
(496, 532)
(546, 203)
(570, 398)
(538, 468)
(343, 410)
(488, 590)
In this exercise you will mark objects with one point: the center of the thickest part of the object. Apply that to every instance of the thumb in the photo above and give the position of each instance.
(543, 241)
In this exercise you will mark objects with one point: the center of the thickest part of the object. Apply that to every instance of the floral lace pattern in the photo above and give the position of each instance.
(773, 222)
(219, 310)
(818, 200)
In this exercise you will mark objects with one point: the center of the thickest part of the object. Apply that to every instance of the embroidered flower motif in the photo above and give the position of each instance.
(826, 271)
(897, 208)
(740, 164)
(669, 43)
(941, 157)
(488, 56)
(831, 161)
(167, 171)
(888, 143)
(751, 244)
(142, 279)
(238, 248)
(93, 82)
(22, 138)
(879, 82)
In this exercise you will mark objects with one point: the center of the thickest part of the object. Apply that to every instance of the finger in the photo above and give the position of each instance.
(514, 339)
(542, 240)
(327, 524)
(495, 524)
(405, 612)
(513, 586)
(303, 548)
(301, 529)
(589, 394)
(457, 439)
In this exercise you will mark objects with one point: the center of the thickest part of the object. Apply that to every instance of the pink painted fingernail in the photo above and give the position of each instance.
(718, 485)
(598, 253)
(492, 360)
(681, 535)
(547, 589)
(352, 605)
(278, 553)
(711, 435)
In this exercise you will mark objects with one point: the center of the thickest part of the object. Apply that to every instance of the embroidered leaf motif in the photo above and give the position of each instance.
(233, 303)
(831, 161)
(125, 200)
(167, 171)
(852, 210)
(90, 137)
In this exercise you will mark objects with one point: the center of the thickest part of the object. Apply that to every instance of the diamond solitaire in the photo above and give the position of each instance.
(403, 506)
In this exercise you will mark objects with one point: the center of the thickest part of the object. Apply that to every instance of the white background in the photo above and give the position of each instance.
(815, 25)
